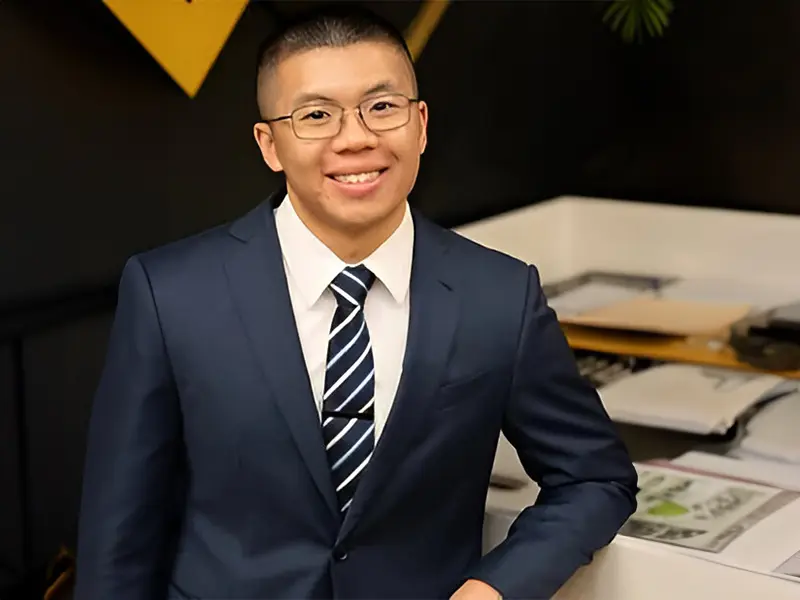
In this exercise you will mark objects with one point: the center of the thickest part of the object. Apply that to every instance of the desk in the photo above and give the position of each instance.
(568, 236)
(629, 569)
(632, 569)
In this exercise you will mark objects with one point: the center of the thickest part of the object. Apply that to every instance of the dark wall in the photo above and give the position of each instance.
(62, 368)
(714, 112)
(521, 94)
(104, 154)
(10, 500)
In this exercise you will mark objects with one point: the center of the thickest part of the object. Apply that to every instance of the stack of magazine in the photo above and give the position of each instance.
(743, 514)
(681, 397)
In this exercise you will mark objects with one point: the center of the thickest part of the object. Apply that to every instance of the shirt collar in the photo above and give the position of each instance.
(312, 266)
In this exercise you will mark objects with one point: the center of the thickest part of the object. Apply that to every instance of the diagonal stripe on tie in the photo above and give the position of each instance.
(347, 409)
(339, 326)
(351, 451)
(347, 346)
(362, 359)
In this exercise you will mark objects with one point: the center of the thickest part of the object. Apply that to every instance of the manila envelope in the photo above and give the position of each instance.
(663, 316)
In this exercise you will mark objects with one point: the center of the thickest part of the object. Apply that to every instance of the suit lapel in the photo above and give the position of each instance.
(432, 324)
(260, 292)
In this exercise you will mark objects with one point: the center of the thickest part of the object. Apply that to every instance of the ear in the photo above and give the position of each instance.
(266, 143)
(423, 130)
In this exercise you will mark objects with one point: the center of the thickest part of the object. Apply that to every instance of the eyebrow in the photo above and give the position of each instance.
(383, 86)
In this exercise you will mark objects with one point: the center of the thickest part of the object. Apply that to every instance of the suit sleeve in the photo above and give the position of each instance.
(132, 463)
(568, 445)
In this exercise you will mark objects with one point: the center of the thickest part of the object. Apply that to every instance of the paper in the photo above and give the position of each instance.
(591, 296)
(759, 295)
(774, 433)
(766, 543)
(699, 512)
(767, 472)
(689, 398)
(644, 283)
(719, 518)
(662, 315)
(791, 567)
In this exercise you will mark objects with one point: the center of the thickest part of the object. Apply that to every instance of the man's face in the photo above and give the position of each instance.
(358, 178)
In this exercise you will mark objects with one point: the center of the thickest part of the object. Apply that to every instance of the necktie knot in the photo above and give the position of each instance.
(350, 287)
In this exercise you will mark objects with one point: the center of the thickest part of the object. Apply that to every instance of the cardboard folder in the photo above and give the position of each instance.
(661, 315)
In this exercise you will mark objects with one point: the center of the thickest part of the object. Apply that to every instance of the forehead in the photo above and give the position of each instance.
(343, 74)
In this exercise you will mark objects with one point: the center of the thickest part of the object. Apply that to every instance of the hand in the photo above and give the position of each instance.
(476, 590)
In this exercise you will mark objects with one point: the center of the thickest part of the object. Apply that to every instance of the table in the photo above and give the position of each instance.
(570, 235)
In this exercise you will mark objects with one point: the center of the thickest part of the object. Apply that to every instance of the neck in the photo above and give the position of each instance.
(353, 245)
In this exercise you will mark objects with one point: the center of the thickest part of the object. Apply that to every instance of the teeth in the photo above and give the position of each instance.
(358, 177)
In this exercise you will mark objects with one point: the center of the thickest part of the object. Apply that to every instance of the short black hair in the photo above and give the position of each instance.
(331, 26)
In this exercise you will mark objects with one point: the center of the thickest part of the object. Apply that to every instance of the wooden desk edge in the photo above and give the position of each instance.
(689, 350)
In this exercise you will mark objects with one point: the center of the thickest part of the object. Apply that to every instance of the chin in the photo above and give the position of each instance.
(363, 212)
(359, 220)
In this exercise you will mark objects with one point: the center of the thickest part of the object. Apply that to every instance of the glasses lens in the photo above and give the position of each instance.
(385, 112)
(317, 121)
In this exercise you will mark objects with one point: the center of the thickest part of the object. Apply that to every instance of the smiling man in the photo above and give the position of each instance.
(306, 403)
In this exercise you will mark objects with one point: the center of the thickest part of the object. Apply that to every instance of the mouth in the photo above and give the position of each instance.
(357, 178)
(357, 185)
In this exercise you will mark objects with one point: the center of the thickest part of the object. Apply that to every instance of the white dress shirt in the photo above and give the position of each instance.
(311, 267)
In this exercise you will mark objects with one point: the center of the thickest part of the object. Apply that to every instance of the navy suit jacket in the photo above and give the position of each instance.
(206, 474)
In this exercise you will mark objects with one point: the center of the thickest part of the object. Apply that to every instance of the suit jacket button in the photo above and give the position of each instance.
(340, 554)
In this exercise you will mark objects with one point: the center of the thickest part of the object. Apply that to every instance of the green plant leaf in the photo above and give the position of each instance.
(659, 14)
(658, 23)
(615, 13)
(667, 5)
(614, 8)
(656, 28)
(629, 30)
(623, 14)
(630, 18)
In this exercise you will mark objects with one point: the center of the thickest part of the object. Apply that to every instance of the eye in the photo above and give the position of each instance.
(314, 114)
(383, 106)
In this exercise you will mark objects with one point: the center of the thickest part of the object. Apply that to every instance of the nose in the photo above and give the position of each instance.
(353, 135)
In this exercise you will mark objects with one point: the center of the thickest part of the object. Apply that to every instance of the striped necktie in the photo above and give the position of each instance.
(348, 422)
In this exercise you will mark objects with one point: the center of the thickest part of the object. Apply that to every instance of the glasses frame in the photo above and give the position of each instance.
(356, 109)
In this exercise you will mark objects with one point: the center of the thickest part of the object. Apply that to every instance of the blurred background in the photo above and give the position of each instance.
(105, 155)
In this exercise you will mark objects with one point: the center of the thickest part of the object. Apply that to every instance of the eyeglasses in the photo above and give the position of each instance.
(323, 120)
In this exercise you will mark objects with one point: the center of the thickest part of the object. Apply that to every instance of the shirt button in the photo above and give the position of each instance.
(340, 554)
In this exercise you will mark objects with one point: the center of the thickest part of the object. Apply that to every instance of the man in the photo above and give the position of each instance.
(307, 403)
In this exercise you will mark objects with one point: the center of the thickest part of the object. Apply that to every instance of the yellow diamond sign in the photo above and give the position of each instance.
(184, 36)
